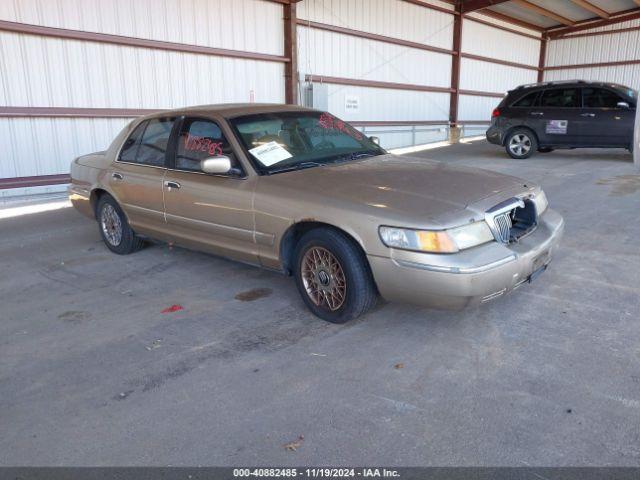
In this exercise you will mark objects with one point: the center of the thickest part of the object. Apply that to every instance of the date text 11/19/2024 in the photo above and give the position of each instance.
(315, 473)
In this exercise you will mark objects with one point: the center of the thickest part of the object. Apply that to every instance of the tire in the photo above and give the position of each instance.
(114, 227)
(328, 262)
(521, 143)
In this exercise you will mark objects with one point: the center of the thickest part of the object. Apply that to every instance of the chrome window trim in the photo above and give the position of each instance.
(183, 171)
(456, 270)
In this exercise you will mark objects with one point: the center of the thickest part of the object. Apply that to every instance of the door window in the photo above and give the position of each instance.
(600, 98)
(130, 146)
(561, 98)
(153, 146)
(200, 139)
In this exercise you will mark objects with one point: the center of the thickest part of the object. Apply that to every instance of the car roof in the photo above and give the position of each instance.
(566, 83)
(230, 110)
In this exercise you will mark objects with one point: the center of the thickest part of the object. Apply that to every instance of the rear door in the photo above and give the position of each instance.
(604, 122)
(136, 176)
(557, 116)
(206, 211)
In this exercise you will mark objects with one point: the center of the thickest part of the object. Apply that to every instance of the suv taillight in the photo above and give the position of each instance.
(495, 113)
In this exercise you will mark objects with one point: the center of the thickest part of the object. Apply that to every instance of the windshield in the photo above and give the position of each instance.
(284, 141)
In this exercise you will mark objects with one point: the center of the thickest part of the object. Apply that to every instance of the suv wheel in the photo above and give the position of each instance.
(521, 143)
(333, 276)
(114, 227)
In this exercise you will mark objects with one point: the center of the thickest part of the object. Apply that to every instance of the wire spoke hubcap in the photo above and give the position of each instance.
(111, 225)
(323, 278)
(520, 144)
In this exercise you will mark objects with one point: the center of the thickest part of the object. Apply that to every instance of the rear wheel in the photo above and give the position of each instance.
(333, 276)
(521, 143)
(114, 227)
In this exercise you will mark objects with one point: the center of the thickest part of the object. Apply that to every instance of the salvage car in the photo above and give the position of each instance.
(541, 117)
(302, 192)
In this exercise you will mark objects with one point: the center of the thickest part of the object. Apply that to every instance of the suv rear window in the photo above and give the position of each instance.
(527, 100)
(561, 97)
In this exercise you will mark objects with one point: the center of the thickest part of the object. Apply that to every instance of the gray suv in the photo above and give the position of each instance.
(569, 114)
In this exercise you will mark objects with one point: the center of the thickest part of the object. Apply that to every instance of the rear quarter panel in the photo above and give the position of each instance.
(88, 173)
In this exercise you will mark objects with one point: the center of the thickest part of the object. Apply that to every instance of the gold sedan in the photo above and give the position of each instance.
(302, 192)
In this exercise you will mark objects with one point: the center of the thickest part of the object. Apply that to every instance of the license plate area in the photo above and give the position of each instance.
(536, 273)
(540, 264)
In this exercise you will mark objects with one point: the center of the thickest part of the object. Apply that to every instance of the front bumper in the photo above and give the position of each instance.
(471, 277)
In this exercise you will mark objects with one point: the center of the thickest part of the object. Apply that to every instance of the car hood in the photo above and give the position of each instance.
(414, 187)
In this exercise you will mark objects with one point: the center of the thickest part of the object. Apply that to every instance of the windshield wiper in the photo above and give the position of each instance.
(297, 166)
(355, 156)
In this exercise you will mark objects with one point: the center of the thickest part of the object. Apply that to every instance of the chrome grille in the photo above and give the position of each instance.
(503, 224)
(500, 218)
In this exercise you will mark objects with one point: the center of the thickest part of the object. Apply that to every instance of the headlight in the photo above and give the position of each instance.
(541, 202)
(436, 241)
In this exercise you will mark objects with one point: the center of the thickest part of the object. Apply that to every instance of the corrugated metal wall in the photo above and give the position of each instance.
(38, 71)
(484, 40)
(326, 53)
(614, 47)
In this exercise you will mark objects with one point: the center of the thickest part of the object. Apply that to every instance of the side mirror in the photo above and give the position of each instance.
(624, 105)
(375, 140)
(217, 165)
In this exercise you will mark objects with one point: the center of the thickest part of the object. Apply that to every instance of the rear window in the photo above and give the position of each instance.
(153, 146)
(527, 100)
(561, 98)
(130, 147)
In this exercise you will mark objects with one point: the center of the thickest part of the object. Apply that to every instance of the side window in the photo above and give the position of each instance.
(600, 98)
(131, 144)
(561, 97)
(155, 139)
(527, 100)
(200, 139)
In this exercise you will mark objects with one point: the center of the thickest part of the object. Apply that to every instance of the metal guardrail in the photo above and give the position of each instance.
(467, 130)
(413, 129)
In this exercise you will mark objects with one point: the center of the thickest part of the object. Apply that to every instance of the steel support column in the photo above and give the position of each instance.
(291, 52)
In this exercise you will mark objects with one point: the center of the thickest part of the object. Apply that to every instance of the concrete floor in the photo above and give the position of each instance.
(92, 373)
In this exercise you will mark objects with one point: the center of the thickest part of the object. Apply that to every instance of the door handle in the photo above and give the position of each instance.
(537, 113)
(587, 114)
(170, 185)
(117, 176)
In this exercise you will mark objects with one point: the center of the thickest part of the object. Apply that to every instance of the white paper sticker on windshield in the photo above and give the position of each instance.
(270, 153)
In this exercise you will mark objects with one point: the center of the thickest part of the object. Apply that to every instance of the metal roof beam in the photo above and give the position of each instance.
(473, 5)
(544, 12)
(594, 8)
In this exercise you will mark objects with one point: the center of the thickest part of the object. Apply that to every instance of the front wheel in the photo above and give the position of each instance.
(521, 144)
(333, 276)
(114, 227)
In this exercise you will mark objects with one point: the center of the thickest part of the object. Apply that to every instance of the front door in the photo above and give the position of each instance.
(204, 211)
(557, 118)
(136, 177)
(605, 123)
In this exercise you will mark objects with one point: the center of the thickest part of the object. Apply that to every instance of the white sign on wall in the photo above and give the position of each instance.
(351, 103)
